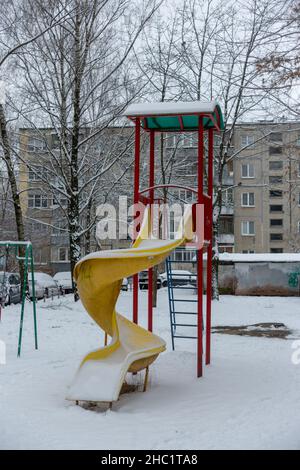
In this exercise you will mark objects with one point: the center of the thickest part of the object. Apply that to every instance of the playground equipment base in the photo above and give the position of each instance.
(126, 389)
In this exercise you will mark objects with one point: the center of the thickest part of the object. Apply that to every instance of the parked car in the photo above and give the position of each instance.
(10, 288)
(180, 277)
(44, 285)
(125, 284)
(143, 280)
(64, 281)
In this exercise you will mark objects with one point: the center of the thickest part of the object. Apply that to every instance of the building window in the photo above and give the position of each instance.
(226, 225)
(275, 179)
(275, 137)
(60, 255)
(183, 255)
(248, 228)
(276, 208)
(39, 256)
(59, 201)
(37, 173)
(63, 254)
(36, 228)
(298, 140)
(276, 193)
(217, 140)
(189, 140)
(275, 166)
(248, 200)
(276, 250)
(59, 228)
(247, 140)
(55, 141)
(275, 150)
(247, 170)
(185, 195)
(37, 201)
(276, 222)
(248, 252)
(274, 237)
(36, 144)
(171, 141)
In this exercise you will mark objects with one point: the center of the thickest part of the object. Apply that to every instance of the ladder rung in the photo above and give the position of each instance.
(182, 261)
(183, 275)
(184, 313)
(183, 324)
(187, 337)
(184, 300)
(184, 288)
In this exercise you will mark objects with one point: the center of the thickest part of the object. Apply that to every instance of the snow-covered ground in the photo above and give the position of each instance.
(249, 397)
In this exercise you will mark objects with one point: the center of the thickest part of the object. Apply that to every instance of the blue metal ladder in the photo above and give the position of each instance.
(173, 302)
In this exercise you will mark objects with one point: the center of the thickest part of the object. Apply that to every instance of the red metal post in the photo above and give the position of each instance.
(151, 197)
(136, 200)
(210, 247)
(200, 252)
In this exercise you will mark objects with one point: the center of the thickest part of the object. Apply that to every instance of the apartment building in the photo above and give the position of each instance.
(261, 193)
(184, 172)
(267, 187)
(45, 208)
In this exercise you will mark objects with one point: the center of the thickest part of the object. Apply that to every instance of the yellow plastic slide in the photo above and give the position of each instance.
(132, 348)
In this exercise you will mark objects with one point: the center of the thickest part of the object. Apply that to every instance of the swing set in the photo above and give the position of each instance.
(23, 253)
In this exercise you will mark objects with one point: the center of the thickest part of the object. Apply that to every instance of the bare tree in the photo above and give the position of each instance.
(281, 66)
(10, 44)
(221, 45)
(76, 76)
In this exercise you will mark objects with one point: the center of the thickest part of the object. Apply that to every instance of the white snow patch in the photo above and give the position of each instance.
(248, 398)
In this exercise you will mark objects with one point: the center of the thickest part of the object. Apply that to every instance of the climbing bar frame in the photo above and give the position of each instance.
(200, 118)
(27, 258)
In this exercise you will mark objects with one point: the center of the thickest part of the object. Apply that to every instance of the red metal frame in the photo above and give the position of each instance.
(160, 186)
(206, 199)
(136, 200)
(210, 171)
(200, 252)
(151, 200)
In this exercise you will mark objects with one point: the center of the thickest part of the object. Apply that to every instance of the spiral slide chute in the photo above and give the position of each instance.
(132, 348)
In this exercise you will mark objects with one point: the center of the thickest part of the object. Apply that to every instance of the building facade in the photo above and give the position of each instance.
(261, 188)
(267, 188)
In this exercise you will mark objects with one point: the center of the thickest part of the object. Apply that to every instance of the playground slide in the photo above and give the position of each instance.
(132, 348)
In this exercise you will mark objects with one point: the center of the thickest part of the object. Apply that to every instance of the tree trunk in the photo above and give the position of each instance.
(13, 186)
(75, 248)
(87, 244)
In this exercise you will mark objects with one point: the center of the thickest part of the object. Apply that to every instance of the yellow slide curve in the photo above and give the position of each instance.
(132, 348)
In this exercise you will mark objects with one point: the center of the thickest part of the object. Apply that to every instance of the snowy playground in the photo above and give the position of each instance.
(248, 397)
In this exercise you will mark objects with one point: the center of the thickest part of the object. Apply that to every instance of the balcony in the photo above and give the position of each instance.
(227, 210)
(226, 239)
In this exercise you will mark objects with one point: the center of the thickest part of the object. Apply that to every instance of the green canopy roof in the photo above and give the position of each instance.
(177, 116)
